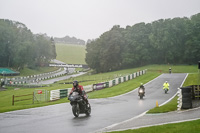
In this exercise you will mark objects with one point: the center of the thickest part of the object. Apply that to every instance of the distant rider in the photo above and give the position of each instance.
(79, 88)
(166, 85)
(142, 86)
(170, 70)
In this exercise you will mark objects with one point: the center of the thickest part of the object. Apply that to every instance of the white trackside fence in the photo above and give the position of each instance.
(179, 100)
(60, 93)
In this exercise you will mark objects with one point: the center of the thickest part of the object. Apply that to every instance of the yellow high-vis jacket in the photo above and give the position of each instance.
(166, 85)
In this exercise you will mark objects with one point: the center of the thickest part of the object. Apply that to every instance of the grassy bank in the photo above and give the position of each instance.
(183, 127)
(171, 106)
(123, 87)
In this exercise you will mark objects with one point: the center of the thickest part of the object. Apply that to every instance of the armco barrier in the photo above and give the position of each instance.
(63, 93)
(131, 76)
(98, 86)
(58, 94)
(122, 79)
(106, 84)
(55, 94)
(113, 82)
(88, 88)
(31, 78)
(125, 79)
(119, 80)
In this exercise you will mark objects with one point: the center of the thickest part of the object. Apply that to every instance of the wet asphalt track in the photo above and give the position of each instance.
(105, 112)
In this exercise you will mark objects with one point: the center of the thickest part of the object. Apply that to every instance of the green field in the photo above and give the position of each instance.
(71, 54)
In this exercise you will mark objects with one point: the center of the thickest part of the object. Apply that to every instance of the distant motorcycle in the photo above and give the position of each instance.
(79, 106)
(141, 93)
(165, 90)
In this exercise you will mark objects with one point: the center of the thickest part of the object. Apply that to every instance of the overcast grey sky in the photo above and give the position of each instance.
(88, 19)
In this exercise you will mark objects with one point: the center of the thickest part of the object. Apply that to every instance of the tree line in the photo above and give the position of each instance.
(20, 48)
(173, 41)
(69, 40)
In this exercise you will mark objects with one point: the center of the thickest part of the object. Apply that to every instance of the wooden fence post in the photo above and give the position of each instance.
(13, 100)
(33, 97)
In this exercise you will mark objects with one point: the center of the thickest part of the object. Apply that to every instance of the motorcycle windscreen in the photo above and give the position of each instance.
(74, 93)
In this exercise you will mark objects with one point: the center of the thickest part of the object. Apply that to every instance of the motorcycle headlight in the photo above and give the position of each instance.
(141, 91)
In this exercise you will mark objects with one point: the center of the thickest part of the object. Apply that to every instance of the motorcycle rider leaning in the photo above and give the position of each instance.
(79, 88)
(166, 85)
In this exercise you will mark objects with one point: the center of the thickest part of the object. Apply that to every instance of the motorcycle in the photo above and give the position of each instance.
(141, 93)
(165, 90)
(79, 106)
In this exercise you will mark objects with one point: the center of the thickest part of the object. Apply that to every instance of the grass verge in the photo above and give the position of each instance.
(183, 127)
(123, 87)
(171, 106)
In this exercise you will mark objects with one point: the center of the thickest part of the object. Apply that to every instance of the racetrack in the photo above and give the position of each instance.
(105, 112)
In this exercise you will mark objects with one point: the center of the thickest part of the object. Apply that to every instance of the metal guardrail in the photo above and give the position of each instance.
(32, 78)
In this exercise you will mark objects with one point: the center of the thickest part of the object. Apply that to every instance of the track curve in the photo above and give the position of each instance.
(105, 112)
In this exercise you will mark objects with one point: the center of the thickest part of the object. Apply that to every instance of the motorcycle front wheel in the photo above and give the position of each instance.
(88, 111)
(75, 110)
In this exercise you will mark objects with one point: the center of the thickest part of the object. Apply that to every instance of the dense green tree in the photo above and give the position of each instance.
(92, 55)
(137, 45)
(103, 54)
(69, 40)
(192, 45)
(20, 48)
(165, 41)
(53, 49)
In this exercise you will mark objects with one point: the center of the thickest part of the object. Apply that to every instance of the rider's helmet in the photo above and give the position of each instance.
(75, 84)
(165, 81)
